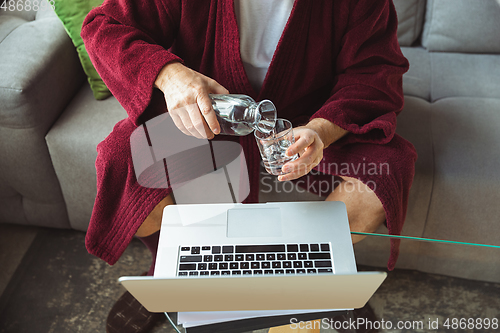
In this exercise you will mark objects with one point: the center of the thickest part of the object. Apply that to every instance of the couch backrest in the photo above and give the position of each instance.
(411, 20)
(466, 26)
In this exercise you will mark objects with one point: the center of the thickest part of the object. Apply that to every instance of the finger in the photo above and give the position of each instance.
(301, 165)
(293, 175)
(301, 143)
(178, 123)
(198, 122)
(296, 169)
(208, 113)
(185, 118)
(313, 154)
(304, 164)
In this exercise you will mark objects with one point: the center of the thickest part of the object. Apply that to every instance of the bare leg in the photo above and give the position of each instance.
(152, 223)
(364, 209)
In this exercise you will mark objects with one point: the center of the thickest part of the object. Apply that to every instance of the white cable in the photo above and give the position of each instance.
(172, 323)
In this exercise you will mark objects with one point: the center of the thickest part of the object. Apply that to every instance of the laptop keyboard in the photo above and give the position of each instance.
(274, 259)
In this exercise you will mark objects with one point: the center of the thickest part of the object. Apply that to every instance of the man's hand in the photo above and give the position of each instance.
(310, 140)
(186, 94)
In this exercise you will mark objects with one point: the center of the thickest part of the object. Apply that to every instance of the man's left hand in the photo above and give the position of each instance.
(309, 146)
(310, 140)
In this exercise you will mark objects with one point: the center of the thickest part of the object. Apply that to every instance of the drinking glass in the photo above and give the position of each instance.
(273, 146)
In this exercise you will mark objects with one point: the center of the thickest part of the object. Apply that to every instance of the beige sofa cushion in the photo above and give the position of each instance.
(411, 20)
(469, 26)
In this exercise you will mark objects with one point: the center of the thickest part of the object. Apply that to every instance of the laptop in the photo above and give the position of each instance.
(248, 257)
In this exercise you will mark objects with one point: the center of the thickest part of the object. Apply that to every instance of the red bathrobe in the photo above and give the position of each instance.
(337, 59)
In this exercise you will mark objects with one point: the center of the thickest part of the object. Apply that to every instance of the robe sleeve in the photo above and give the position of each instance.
(368, 94)
(128, 44)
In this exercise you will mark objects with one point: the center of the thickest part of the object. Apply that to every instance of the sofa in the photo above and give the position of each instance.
(50, 125)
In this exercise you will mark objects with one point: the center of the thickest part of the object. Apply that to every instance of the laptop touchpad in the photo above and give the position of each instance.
(261, 222)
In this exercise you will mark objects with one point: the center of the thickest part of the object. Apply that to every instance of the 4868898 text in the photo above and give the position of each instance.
(26, 5)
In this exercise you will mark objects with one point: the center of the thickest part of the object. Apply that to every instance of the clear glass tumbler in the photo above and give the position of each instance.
(273, 146)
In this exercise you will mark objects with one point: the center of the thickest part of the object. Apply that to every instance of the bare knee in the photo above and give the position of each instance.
(364, 209)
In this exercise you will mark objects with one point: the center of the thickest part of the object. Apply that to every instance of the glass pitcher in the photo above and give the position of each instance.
(241, 115)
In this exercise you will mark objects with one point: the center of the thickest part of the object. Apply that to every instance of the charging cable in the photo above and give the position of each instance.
(424, 239)
(172, 323)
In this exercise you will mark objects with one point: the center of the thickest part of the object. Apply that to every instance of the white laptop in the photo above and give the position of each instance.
(248, 257)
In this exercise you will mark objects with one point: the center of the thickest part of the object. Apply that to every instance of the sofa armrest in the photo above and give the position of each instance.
(40, 72)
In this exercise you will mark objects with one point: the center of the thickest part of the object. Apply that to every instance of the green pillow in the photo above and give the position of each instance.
(72, 13)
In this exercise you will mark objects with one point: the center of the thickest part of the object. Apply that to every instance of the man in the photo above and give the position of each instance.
(334, 68)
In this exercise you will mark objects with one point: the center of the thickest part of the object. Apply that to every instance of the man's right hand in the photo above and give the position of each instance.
(186, 94)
